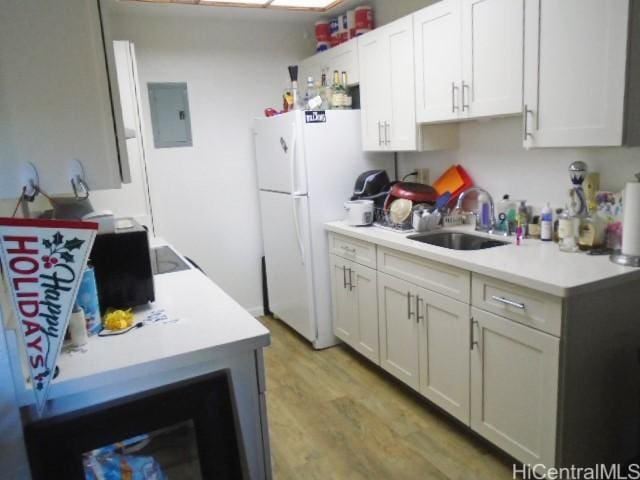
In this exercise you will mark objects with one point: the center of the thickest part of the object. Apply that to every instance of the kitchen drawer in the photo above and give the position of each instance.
(438, 277)
(358, 251)
(524, 305)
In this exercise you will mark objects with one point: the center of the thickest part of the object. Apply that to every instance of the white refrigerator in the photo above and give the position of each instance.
(307, 164)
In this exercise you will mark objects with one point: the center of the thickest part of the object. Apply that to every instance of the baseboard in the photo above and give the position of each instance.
(256, 311)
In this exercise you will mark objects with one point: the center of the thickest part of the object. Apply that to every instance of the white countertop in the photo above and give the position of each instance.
(207, 323)
(534, 264)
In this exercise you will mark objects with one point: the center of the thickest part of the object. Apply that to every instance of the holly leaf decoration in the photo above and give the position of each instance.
(66, 256)
(73, 244)
(47, 243)
(57, 238)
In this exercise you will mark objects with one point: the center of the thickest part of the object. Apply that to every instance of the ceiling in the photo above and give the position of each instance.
(164, 8)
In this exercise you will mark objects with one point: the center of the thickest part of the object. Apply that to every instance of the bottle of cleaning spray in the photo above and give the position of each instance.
(522, 221)
(546, 224)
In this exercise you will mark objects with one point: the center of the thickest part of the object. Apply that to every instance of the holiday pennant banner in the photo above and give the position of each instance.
(43, 261)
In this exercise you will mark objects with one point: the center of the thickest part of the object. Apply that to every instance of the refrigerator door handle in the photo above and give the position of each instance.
(294, 193)
(296, 223)
(292, 160)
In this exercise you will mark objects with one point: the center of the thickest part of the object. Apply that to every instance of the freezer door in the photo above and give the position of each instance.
(279, 154)
(285, 228)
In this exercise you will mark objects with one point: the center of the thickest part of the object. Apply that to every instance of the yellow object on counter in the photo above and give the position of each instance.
(118, 319)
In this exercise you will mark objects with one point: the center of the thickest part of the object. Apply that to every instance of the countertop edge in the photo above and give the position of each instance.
(555, 290)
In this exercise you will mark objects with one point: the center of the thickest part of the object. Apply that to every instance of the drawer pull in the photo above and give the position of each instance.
(409, 312)
(344, 276)
(418, 316)
(506, 301)
(348, 249)
(473, 342)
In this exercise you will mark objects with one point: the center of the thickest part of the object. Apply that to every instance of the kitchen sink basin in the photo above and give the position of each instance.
(457, 240)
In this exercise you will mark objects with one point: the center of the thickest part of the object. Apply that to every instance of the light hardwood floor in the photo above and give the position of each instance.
(333, 415)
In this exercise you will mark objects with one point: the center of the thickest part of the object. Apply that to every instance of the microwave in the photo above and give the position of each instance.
(122, 265)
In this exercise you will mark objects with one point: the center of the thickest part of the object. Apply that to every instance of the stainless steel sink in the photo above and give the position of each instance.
(457, 240)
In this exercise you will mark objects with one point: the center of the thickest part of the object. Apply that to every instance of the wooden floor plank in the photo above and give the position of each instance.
(333, 415)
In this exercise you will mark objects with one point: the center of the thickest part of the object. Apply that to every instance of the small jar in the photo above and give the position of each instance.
(592, 233)
(568, 232)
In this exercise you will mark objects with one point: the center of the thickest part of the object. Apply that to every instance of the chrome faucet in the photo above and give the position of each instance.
(491, 228)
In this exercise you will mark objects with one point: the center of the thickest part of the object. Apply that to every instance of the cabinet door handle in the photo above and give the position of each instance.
(344, 276)
(409, 312)
(465, 106)
(454, 106)
(379, 134)
(525, 122)
(386, 133)
(472, 341)
(418, 317)
(506, 301)
(351, 285)
(348, 249)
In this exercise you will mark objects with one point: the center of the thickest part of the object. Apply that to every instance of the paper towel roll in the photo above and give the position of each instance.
(631, 222)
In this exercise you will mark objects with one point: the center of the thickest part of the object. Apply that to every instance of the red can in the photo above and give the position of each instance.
(364, 18)
(323, 31)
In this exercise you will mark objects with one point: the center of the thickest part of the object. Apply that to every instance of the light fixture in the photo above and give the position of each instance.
(243, 3)
(305, 5)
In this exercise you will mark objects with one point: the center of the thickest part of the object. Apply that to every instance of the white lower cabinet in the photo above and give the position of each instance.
(444, 352)
(514, 387)
(399, 329)
(497, 374)
(355, 306)
(424, 341)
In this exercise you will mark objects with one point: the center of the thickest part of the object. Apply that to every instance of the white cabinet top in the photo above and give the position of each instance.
(534, 264)
(207, 324)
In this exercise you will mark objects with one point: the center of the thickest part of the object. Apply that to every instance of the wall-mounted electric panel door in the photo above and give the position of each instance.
(169, 104)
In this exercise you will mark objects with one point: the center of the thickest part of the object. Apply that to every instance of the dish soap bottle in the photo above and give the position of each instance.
(522, 221)
(546, 224)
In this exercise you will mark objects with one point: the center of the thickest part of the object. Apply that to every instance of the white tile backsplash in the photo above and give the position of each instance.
(491, 151)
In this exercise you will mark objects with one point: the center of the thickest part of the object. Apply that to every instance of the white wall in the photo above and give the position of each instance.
(204, 198)
(491, 151)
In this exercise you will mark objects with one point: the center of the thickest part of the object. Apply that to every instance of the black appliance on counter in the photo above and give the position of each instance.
(372, 185)
(122, 264)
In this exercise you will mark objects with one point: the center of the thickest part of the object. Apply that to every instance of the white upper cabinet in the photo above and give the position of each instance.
(401, 132)
(57, 102)
(343, 58)
(387, 91)
(468, 59)
(574, 72)
(491, 58)
(437, 62)
(373, 97)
